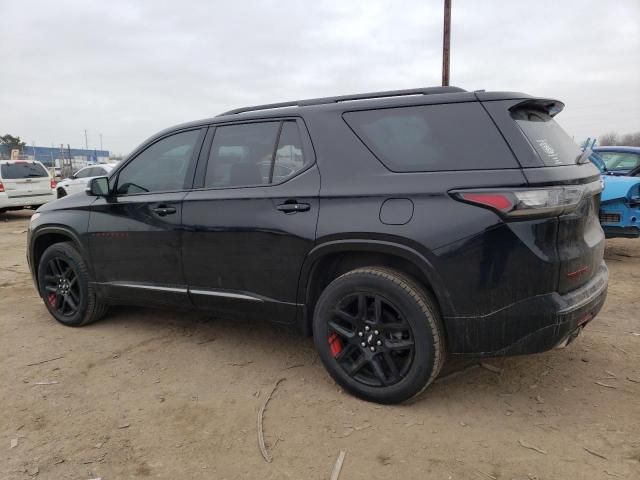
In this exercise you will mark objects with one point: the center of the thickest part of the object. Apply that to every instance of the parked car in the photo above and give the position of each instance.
(407, 226)
(620, 201)
(24, 184)
(620, 160)
(79, 181)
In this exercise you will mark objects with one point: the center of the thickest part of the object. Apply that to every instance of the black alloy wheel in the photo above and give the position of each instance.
(378, 333)
(62, 287)
(63, 282)
(370, 339)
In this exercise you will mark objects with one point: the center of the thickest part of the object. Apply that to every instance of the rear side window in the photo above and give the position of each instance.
(456, 136)
(251, 154)
(550, 141)
(12, 171)
(289, 157)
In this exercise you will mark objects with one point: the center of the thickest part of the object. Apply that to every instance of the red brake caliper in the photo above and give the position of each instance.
(52, 299)
(335, 344)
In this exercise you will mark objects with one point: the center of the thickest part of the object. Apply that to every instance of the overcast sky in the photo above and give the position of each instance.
(126, 69)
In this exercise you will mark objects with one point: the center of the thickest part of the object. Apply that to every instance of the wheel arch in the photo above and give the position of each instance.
(44, 237)
(331, 259)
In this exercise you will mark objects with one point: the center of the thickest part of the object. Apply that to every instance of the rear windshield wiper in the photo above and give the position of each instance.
(584, 156)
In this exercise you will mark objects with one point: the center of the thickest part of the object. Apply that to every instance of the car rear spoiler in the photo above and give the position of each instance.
(550, 106)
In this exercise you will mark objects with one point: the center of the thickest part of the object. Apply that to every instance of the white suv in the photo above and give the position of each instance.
(24, 184)
(79, 181)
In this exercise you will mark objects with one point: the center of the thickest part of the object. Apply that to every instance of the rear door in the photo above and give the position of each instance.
(25, 179)
(550, 158)
(252, 222)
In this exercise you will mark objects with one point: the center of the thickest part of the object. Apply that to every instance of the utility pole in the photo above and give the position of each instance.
(446, 43)
(86, 148)
(100, 141)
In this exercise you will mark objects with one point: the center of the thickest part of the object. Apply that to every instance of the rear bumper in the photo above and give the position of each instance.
(613, 231)
(533, 325)
(26, 201)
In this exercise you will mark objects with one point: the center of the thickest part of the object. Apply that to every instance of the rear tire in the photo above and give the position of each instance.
(63, 284)
(379, 334)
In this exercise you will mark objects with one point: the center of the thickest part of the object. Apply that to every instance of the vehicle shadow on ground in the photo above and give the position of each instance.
(16, 215)
(279, 348)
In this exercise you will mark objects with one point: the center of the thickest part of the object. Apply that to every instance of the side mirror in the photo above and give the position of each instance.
(98, 187)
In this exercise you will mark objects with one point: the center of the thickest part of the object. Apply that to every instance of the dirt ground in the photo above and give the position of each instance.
(149, 393)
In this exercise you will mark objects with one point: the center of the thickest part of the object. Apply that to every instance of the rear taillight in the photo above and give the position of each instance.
(538, 202)
(54, 184)
(1, 187)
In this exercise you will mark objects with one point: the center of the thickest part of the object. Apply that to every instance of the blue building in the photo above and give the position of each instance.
(48, 155)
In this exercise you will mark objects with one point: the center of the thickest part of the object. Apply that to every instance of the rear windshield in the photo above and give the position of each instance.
(551, 142)
(10, 171)
(454, 136)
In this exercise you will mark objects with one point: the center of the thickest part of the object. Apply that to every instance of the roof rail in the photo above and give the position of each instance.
(347, 98)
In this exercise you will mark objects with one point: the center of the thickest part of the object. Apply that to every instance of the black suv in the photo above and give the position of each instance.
(395, 227)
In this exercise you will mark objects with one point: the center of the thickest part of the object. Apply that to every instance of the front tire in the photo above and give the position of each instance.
(63, 282)
(379, 334)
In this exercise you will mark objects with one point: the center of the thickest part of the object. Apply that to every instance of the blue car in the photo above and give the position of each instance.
(620, 160)
(620, 200)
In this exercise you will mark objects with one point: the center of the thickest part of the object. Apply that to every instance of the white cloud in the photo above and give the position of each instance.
(127, 69)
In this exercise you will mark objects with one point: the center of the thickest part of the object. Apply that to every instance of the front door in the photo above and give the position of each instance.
(78, 182)
(134, 234)
(251, 224)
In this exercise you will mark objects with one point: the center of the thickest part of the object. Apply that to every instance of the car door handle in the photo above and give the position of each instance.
(292, 207)
(163, 210)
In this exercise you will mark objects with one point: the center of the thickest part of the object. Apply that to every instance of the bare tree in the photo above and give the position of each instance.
(626, 139)
(613, 138)
(631, 139)
(610, 138)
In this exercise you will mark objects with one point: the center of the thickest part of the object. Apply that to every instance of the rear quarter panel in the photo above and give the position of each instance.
(478, 259)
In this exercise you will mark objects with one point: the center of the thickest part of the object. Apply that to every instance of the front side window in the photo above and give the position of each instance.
(84, 173)
(161, 167)
(254, 154)
(620, 160)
